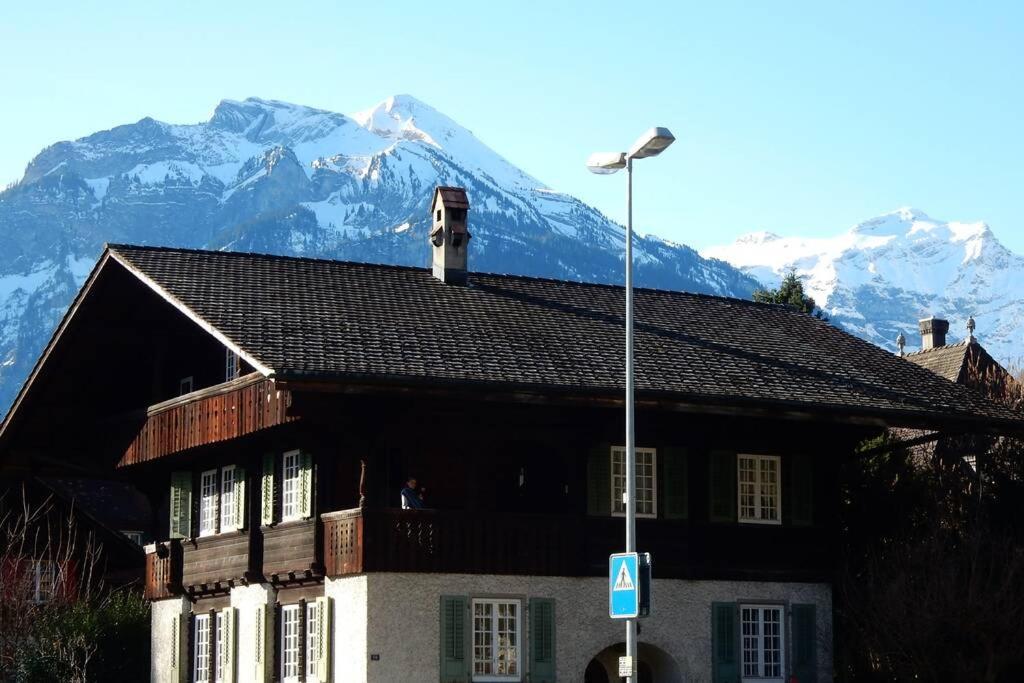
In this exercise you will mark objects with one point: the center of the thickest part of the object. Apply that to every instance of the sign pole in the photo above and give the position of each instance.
(631, 644)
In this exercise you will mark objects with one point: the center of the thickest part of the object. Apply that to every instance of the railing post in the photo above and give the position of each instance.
(362, 483)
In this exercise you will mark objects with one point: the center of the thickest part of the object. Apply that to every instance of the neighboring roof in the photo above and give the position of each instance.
(946, 361)
(451, 197)
(305, 318)
(116, 504)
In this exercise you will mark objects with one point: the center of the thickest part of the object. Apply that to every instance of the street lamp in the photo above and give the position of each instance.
(651, 143)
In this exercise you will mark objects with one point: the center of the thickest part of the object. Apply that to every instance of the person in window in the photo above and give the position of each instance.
(412, 498)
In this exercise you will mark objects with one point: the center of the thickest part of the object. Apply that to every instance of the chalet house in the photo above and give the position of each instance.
(273, 408)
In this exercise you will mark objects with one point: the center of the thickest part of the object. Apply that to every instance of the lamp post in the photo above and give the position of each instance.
(651, 143)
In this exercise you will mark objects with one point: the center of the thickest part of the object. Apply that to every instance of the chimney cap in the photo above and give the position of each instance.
(929, 324)
(451, 197)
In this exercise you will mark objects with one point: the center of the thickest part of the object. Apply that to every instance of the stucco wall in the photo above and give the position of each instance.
(163, 613)
(403, 624)
(351, 658)
(248, 601)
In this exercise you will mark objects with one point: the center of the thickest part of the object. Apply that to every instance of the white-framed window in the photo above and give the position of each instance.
(311, 640)
(759, 493)
(230, 365)
(761, 639)
(186, 385)
(291, 622)
(646, 481)
(497, 640)
(44, 581)
(220, 650)
(134, 536)
(208, 503)
(201, 645)
(291, 472)
(228, 509)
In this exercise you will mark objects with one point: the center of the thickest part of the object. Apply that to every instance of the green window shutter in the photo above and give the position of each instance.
(454, 662)
(722, 471)
(805, 640)
(267, 491)
(181, 505)
(542, 640)
(306, 485)
(725, 667)
(801, 490)
(229, 623)
(323, 640)
(240, 520)
(676, 482)
(599, 480)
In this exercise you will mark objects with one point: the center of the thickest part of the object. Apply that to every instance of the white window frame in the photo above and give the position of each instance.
(759, 650)
(290, 669)
(133, 536)
(311, 640)
(291, 506)
(44, 581)
(228, 491)
(231, 365)
(618, 507)
(208, 502)
(759, 507)
(202, 647)
(494, 603)
(219, 651)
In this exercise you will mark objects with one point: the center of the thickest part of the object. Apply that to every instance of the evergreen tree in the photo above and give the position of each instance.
(791, 293)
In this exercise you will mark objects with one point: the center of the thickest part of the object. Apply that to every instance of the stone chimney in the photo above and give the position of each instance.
(933, 332)
(449, 236)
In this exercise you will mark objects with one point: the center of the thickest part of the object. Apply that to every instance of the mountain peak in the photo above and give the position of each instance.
(407, 118)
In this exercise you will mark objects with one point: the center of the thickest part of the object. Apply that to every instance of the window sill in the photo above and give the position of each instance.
(762, 522)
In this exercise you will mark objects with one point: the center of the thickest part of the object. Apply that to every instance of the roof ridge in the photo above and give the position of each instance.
(114, 246)
(962, 342)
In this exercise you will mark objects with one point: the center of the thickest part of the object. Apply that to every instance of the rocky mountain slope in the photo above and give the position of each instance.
(275, 177)
(881, 276)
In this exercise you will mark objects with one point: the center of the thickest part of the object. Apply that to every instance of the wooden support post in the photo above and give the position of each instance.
(362, 483)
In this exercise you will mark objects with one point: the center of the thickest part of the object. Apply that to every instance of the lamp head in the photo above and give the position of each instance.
(604, 163)
(652, 143)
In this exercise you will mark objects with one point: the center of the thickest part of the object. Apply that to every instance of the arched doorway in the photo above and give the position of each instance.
(654, 666)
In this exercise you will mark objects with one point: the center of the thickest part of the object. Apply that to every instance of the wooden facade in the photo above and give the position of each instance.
(222, 412)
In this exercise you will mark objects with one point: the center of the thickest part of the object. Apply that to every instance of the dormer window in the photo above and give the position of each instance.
(186, 385)
(439, 214)
(231, 365)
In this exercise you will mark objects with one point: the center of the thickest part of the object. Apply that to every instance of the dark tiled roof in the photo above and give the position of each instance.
(453, 197)
(946, 361)
(315, 318)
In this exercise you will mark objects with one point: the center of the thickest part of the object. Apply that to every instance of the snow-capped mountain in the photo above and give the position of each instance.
(881, 276)
(275, 177)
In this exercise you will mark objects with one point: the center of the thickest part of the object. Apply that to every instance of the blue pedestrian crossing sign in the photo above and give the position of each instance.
(624, 586)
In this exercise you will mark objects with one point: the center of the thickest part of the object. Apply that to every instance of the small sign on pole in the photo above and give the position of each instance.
(625, 667)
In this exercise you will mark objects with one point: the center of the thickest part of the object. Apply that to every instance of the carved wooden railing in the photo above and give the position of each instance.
(163, 570)
(395, 540)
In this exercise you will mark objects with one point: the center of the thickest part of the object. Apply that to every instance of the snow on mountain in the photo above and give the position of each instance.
(881, 276)
(271, 176)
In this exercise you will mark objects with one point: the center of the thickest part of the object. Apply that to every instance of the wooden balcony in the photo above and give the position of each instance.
(225, 411)
(291, 552)
(217, 563)
(163, 570)
(392, 540)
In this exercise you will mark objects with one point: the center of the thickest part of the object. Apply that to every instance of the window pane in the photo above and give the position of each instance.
(202, 648)
(311, 639)
(290, 641)
(227, 498)
(618, 478)
(208, 503)
(219, 650)
(496, 638)
(290, 486)
(482, 644)
(645, 480)
(747, 473)
(750, 632)
(769, 488)
(772, 643)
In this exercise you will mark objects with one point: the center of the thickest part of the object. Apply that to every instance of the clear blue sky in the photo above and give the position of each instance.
(791, 117)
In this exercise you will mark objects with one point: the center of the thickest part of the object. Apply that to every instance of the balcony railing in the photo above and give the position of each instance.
(163, 570)
(370, 540)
